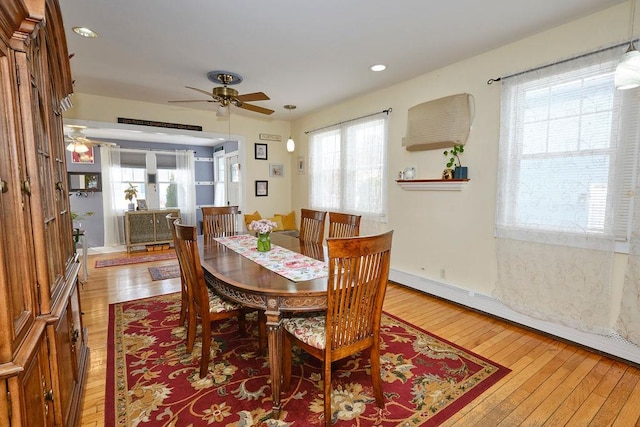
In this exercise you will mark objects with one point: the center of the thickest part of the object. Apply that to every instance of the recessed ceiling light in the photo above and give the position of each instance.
(378, 67)
(85, 32)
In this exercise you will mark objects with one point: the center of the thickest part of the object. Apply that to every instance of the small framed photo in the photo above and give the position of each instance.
(276, 170)
(261, 151)
(142, 205)
(300, 164)
(262, 188)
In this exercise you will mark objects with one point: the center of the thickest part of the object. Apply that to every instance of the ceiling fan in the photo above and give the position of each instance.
(226, 96)
(77, 142)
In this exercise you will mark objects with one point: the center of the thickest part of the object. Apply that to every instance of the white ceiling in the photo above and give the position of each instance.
(302, 52)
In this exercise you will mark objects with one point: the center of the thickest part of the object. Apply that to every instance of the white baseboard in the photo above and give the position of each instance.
(105, 249)
(612, 344)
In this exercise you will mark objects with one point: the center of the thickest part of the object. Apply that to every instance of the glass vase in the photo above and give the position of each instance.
(264, 242)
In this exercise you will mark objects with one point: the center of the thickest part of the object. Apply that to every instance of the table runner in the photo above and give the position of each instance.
(292, 265)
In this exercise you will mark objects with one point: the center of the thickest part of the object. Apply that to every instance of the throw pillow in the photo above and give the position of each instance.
(278, 220)
(289, 220)
(251, 217)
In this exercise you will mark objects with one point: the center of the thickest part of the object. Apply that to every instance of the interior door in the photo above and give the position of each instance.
(233, 179)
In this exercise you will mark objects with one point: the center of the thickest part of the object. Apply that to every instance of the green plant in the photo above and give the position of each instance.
(454, 156)
(130, 192)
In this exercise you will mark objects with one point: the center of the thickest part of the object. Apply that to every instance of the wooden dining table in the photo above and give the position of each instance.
(240, 279)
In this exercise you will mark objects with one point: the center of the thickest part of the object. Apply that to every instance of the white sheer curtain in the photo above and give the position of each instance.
(628, 324)
(186, 181)
(347, 169)
(111, 190)
(559, 191)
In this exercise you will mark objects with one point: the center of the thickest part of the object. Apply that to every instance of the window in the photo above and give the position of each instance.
(135, 176)
(141, 168)
(347, 167)
(220, 198)
(567, 145)
(167, 188)
(166, 180)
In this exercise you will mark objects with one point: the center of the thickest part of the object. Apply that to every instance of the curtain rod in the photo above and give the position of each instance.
(497, 79)
(388, 111)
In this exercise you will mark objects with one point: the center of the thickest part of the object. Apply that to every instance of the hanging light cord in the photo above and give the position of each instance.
(632, 19)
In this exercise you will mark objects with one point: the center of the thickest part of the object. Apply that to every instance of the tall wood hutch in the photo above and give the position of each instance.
(43, 350)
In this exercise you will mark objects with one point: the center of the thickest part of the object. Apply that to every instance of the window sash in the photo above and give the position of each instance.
(347, 168)
(567, 138)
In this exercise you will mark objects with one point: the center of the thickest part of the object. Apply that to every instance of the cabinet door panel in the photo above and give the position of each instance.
(66, 377)
(162, 227)
(141, 228)
(35, 391)
(18, 284)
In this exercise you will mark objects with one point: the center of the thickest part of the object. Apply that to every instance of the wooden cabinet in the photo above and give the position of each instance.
(43, 345)
(147, 227)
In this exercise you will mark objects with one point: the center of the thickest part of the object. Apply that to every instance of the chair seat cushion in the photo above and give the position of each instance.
(310, 330)
(217, 304)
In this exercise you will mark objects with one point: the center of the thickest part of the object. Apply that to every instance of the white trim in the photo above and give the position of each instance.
(610, 344)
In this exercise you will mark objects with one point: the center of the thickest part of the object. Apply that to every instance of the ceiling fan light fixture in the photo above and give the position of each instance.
(85, 32)
(222, 111)
(77, 147)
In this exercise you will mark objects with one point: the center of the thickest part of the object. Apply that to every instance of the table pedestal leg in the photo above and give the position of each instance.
(275, 354)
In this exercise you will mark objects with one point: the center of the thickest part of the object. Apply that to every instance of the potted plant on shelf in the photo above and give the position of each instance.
(459, 171)
(129, 194)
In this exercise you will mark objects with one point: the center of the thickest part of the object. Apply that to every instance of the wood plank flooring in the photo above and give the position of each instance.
(552, 383)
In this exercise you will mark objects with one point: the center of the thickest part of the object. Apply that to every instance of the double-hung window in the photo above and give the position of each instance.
(347, 167)
(567, 148)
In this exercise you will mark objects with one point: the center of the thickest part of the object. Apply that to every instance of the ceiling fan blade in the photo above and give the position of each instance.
(195, 100)
(256, 96)
(255, 108)
(206, 92)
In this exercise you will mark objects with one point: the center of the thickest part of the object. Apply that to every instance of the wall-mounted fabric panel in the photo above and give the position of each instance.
(440, 123)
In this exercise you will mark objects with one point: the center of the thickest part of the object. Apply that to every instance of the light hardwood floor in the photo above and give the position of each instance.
(552, 383)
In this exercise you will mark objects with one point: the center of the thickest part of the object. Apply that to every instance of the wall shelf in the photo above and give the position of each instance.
(432, 184)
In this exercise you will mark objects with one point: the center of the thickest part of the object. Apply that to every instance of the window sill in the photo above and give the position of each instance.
(432, 184)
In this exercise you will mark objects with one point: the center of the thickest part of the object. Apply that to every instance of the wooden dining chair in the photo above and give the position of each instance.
(312, 225)
(344, 225)
(219, 221)
(184, 295)
(204, 303)
(358, 274)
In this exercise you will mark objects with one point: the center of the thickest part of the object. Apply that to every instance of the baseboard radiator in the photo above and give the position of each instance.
(612, 344)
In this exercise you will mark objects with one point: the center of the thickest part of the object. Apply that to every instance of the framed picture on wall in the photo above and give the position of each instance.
(83, 158)
(262, 188)
(276, 170)
(261, 151)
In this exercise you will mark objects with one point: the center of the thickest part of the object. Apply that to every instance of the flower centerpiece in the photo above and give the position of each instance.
(263, 227)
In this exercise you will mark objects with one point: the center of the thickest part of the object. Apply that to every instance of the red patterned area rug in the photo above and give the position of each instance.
(136, 259)
(152, 381)
(164, 272)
